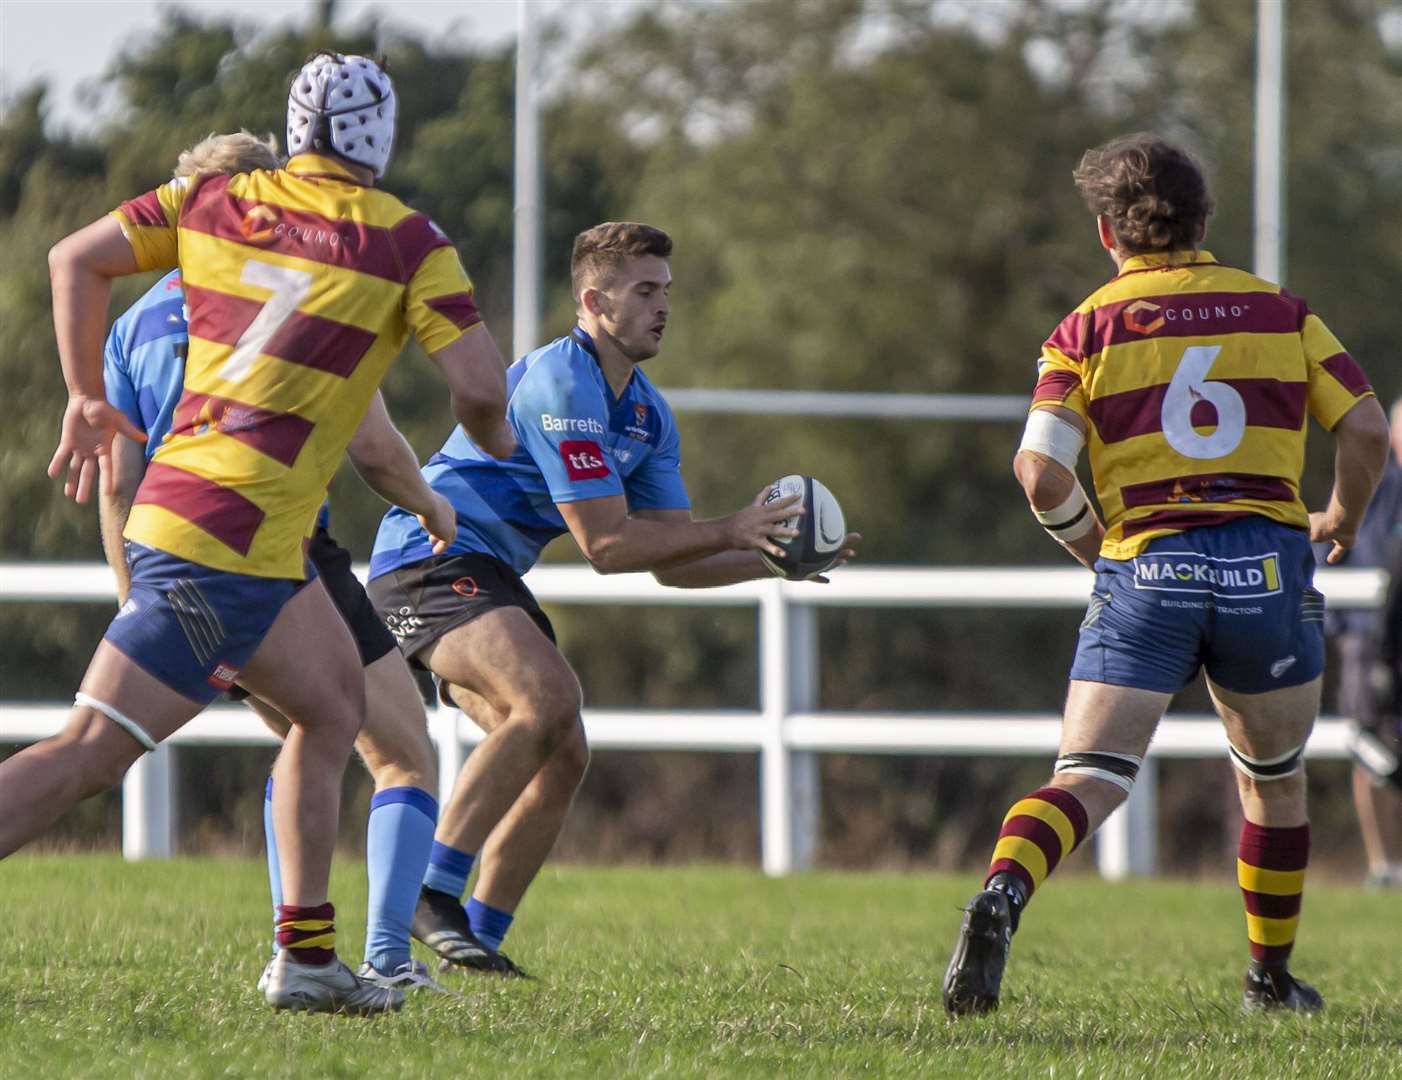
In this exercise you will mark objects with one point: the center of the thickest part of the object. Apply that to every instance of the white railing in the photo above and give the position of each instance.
(788, 731)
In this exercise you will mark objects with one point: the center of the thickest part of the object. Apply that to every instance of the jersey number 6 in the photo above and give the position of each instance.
(289, 287)
(1188, 388)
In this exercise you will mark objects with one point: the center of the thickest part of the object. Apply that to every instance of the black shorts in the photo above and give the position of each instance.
(333, 565)
(422, 602)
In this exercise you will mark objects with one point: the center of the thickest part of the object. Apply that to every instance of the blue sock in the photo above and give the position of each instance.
(274, 870)
(448, 869)
(397, 843)
(489, 924)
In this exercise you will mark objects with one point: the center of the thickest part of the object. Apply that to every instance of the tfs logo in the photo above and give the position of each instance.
(1140, 318)
(583, 458)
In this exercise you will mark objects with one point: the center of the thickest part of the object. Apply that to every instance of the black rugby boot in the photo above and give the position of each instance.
(1268, 988)
(975, 971)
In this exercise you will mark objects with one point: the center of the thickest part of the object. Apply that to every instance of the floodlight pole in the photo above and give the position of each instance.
(1268, 232)
(525, 302)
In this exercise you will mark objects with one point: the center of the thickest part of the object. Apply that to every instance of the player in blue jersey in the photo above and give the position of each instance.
(144, 373)
(598, 456)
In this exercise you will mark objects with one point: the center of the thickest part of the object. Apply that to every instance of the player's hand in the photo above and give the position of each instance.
(758, 525)
(85, 442)
(846, 555)
(441, 524)
(1326, 527)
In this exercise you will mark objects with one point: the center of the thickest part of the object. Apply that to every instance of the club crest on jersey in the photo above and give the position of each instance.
(584, 459)
(640, 429)
(1193, 572)
(1142, 317)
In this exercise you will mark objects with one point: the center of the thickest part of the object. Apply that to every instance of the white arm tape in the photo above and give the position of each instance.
(1051, 436)
(1070, 520)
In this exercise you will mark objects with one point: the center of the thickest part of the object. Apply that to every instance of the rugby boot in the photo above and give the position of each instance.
(975, 971)
(332, 988)
(1275, 988)
(410, 975)
(441, 923)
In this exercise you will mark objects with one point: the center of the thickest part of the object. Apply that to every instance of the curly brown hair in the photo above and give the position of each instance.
(1153, 193)
(599, 251)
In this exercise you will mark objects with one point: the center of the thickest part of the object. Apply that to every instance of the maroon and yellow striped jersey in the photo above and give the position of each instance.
(1194, 380)
(301, 286)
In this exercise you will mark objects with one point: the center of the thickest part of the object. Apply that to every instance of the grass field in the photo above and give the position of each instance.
(116, 970)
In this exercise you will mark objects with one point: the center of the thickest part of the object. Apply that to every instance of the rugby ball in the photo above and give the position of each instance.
(820, 531)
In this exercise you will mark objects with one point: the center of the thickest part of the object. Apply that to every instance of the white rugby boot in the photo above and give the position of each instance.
(332, 988)
(410, 975)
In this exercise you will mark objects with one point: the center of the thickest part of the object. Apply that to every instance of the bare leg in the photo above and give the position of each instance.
(44, 781)
(394, 743)
(308, 669)
(518, 847)
(1264, 726)
(521, 676)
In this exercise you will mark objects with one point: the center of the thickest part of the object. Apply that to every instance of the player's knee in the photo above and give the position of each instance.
(571, 758)
(97, 754)
(553, 706)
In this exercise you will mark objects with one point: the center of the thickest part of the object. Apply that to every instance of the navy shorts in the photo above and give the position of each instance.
(194, 627)
(1236, 599)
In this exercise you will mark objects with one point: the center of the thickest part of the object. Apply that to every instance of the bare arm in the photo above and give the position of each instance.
(114, 507)
(81, 269)
(476, 378)
(1360, 455)
(726, 568)
(387, 463)
(615, 543)
(1048, 484)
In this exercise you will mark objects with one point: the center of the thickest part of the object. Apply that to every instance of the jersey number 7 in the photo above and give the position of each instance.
(289, 288)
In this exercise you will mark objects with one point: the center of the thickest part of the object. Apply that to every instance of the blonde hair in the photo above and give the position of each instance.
(236, 153)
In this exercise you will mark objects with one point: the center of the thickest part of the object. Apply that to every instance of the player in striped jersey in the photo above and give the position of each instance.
(144, 368)
(1192, 382)
(302, 285)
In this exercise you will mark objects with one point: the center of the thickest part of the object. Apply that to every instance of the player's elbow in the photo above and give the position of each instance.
(1364, 433)
(63, 256)
(1045, 483)
(604, 554)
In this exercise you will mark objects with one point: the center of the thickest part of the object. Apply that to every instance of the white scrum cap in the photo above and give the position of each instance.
(342, 105)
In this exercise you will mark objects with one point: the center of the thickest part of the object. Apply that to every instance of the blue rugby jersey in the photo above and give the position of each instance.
(576, 441)
(143, 363)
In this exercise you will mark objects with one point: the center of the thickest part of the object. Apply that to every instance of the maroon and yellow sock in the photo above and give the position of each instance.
(1039, 831)
(1270, 869)
(307, 933)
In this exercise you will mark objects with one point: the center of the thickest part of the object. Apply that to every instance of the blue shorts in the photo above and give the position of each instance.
(191, 626)
(1235, 599)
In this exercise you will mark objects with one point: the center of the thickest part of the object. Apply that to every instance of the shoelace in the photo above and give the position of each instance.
(417, 977)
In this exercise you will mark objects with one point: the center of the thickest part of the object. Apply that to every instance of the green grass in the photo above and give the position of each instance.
(116, 970)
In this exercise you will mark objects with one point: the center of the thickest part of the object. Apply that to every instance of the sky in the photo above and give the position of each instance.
(69, 42)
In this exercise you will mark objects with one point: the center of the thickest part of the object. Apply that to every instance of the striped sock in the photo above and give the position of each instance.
(448, 869)
(489, 924)
(1039, 831)
(307, 933)
(1270, 869)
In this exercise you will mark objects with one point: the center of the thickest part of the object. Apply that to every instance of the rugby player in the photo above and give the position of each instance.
(302, 285)
(144, 368)
(1191, 381)
(598, 457)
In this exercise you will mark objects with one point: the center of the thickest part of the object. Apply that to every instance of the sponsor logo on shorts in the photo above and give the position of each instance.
(566, 424)
(223, 676)
(402, 622)
(584, 459)
(465, 586)
(1280, 667)
(1193, 572)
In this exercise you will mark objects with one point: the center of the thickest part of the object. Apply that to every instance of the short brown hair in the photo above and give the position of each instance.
(599, 251)
(240, 152)
(1153, 193)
